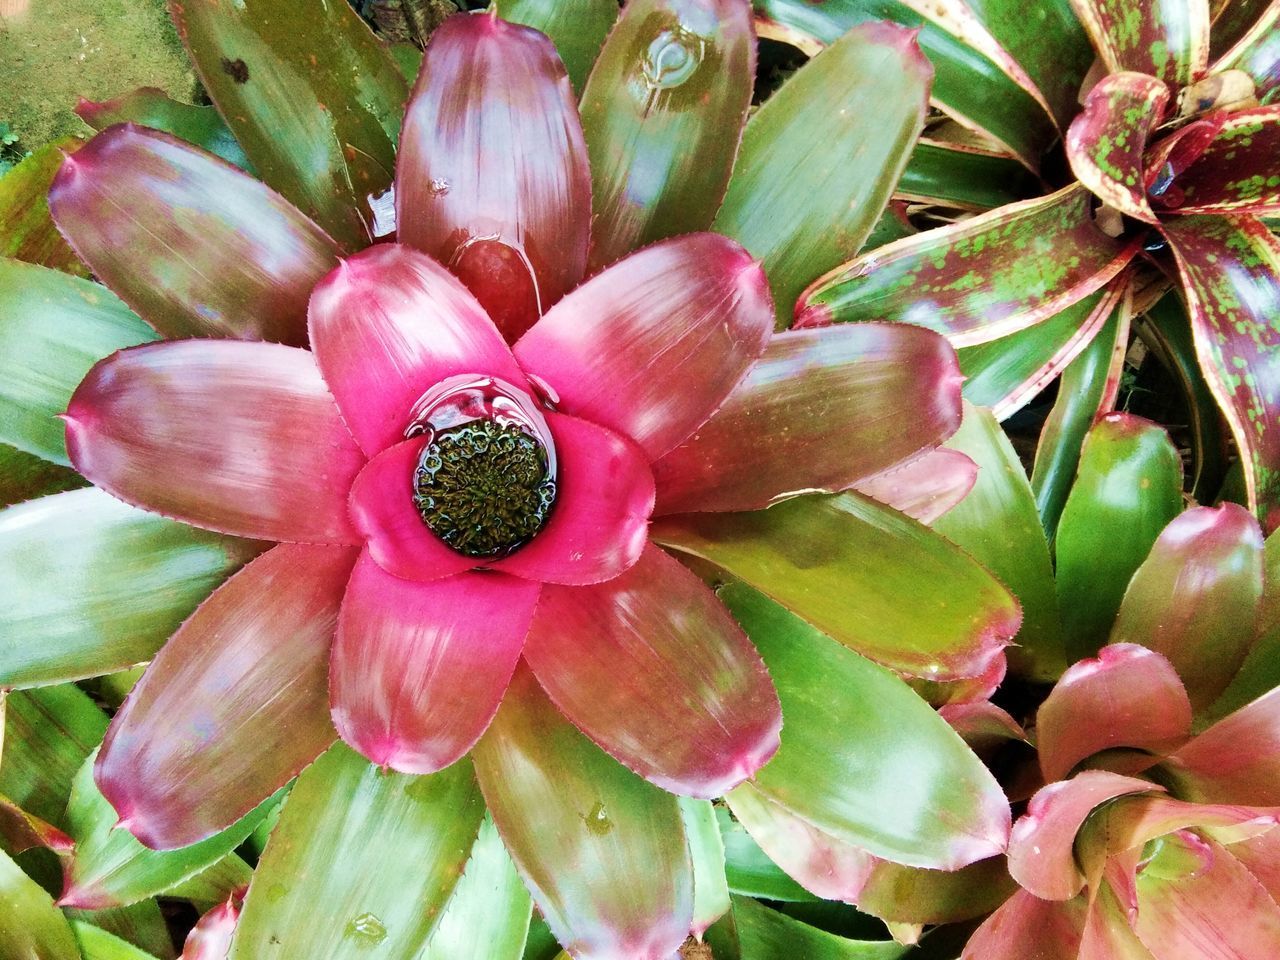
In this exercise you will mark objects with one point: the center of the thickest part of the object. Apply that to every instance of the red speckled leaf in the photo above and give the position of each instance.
(662, 114)
(1230, 270)
(1240, 169)
(1041, 847)
(311, 95)
(1195, 598)
(1168, 39)
(1105, 143)
(1126, 696)
(978, 279)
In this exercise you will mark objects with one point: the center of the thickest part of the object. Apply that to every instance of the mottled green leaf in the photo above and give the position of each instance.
(111, 868)
(979, 279)
(31, 927)
(844, 563)
(863, 757)
(92, 585)
(662, 115)
(1257, 53)
(399, 843)
(769, 935)
(802, 210)
(577, 27)
(156, 109)
(1082, 394)
(53, 328)
(968, 84)
(1168, 39)
(1129, 486)
(1046, 39)
(1107, 143)
(627, 887)
(1239, 170)
(1228, 266)
(487, 917)
(26, 229)
(997, 523)
(312, 97)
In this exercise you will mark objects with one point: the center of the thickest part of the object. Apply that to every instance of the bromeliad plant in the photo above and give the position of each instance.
(464, 453)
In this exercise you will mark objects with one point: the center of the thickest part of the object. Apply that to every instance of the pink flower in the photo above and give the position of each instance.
(461, 470)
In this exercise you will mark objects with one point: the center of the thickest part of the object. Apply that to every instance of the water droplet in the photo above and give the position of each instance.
(673, 57)
(276, 892)
(438, 186)
(368, 929)
(598, 821)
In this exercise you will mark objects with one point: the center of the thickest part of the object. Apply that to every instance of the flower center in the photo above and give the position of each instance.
(485, 482)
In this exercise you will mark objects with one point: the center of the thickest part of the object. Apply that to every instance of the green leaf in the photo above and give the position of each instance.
(31, 927)
(24, 476)
(26, 229)
(97, 944)
(53, 328)
(401, 842)
(997, 523)
(979, 279)
(768, 935)
(1086, 388)
(706, 850)
(845, 563)
(863, 757)
(140, 925)
(964, 177)
(577, 28)
(1166, 330)
(1196, 597)
(1008, 373)
(748, 869)
(156, 109)
(803, 210)
(1128, 488)
(627, 886)
(219, 881)
(662, 115)
(93, 585)
(312, 97)
(487, 918)
(48, 733)
(968, 84)
(111, 868)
